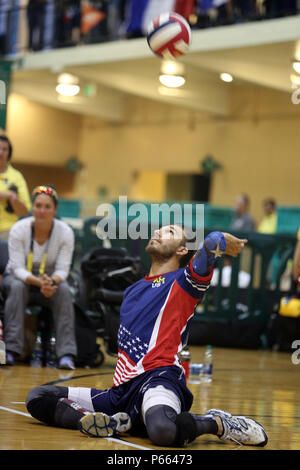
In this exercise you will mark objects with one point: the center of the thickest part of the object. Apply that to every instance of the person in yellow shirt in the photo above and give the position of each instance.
(269, 222)
(14, 194)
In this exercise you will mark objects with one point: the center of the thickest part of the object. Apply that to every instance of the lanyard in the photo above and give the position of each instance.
(30, 255)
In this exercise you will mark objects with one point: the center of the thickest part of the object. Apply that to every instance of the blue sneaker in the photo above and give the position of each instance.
(101, 425)
(66, 362)
(240, 429)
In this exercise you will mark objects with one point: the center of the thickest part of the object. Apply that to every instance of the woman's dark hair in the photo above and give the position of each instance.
(10, 149)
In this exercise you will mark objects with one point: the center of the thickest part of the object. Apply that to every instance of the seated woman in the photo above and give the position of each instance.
(40, 255)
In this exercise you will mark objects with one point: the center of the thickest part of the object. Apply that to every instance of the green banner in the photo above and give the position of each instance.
(5, 74)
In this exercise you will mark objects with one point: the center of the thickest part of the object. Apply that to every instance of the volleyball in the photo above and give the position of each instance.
(169, 36)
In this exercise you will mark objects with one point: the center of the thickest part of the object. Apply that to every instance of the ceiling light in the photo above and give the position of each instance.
(296, 66)
(66, 89)
(67, 85)
(226, 77)
(172, 81)
(67, 78)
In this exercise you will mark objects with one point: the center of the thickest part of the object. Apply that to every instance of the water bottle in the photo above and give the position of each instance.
(185, 357)
(195, 371)
(2, 346)
(37, 352)
(51, 359)
(207, 366)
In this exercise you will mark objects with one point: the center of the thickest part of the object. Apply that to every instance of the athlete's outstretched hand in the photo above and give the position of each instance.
(234, 245)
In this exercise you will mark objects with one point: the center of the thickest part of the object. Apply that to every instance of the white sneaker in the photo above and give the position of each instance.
(101, 425)
(240, 429)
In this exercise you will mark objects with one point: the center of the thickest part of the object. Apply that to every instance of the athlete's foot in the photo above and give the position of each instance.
(239, 429)
(101, 425)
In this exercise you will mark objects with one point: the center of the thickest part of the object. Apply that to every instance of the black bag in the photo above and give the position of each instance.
(227, 333)
(89, 353)
(111, 268)
(105, 274)
(282, 331)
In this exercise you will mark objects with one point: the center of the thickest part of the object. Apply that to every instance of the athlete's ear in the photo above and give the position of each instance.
(182, 250)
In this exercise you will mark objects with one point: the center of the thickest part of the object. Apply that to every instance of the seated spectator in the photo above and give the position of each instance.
(14, 195)
(269, 222)
(40, 255)
(242, 220)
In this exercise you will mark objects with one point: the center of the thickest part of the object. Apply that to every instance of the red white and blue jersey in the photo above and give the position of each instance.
(155, 318)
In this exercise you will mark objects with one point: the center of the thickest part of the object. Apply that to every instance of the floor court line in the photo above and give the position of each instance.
(111, 439)
(15, 411)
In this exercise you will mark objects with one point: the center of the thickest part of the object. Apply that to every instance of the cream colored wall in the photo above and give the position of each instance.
(41, 134)
(257, 146)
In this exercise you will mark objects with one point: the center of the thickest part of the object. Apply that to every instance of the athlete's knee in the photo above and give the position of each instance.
(167, 428)
(160, 425)
(186, 429)
(43, 391)
(41, 402)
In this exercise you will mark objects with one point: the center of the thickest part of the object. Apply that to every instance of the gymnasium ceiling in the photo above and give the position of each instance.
(128, 68)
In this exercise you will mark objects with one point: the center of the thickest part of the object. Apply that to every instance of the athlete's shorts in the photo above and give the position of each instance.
(132, 397)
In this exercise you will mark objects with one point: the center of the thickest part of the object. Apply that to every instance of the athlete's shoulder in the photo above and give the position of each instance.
(134, 286)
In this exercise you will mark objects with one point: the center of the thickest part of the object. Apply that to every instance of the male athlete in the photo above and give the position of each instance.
(149, 391)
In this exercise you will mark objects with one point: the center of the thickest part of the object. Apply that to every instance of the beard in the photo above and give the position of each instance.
(158, 252)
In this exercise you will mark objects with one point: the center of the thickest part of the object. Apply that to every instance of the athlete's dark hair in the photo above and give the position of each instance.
(10, 149)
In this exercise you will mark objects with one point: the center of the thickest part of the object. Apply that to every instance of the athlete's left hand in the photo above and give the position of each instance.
(234, 245)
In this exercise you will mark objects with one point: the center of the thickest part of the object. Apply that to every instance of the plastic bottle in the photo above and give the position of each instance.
(185, 358)
(51, 359)
(2, 346)
(37, 352)
(207, 367)
(195, 371)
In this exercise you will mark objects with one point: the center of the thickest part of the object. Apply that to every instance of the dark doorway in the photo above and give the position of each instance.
(188, 187)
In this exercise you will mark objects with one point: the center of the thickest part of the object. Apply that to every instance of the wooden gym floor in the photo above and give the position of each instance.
(264, 385)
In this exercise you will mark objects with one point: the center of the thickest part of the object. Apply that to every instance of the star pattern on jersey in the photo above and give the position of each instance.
(217, 252)
(132, 345)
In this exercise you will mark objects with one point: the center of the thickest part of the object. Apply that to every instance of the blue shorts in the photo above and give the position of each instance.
(128, 397)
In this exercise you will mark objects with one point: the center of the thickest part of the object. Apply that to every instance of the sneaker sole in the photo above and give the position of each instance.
(97, 425)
